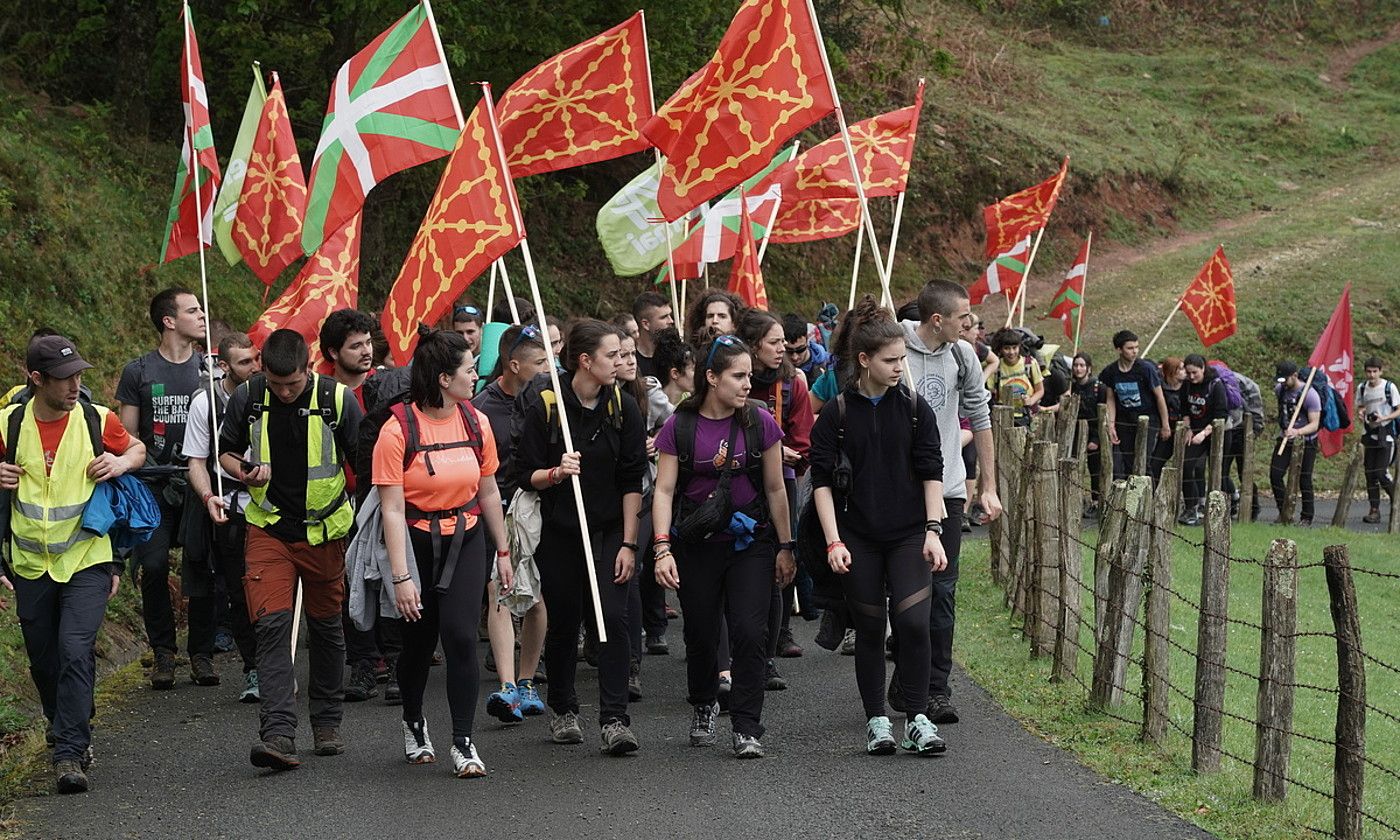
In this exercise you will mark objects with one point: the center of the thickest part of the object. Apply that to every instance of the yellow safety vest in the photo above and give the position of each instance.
(46, 514)
(328, 511)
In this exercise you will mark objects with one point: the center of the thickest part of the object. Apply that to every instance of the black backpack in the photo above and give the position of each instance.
(685, 432)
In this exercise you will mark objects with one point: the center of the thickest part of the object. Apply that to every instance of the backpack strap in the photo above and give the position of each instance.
(94, 426)
(686, 422)
(258, 396)
(408, 422)
(12, 433)
(753, 450)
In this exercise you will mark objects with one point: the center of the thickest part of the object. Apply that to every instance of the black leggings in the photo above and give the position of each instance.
(453, 616)
(1193, 475)
(1278, 474)
(718, 583)
(899, 565)
(1377, 459)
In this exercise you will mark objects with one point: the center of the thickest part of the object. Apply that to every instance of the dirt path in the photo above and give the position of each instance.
(1346, 60)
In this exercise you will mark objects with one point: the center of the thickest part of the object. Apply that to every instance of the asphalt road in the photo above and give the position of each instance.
(174, 764)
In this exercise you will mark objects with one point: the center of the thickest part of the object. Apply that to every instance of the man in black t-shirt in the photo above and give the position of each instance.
(653, 314)
(1134, 389)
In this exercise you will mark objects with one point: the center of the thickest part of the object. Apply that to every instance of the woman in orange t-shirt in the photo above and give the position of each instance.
(447, 487)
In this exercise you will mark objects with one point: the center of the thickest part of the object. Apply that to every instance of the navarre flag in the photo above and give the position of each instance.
(473, 221)
(226, 204)
(267, 226)
(745, 275)
(1210, 300)
(190, 224)
(1333, 356)
(1021, 214)
(812, 220)
(584, 105)
(884, 150)
(628, 226)
(391, 108)
(1003, 275)
(1070, 298)
(330, 280)
(766, 82)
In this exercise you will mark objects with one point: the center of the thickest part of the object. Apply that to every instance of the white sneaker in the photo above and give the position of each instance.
(465, 762)
(417, 747)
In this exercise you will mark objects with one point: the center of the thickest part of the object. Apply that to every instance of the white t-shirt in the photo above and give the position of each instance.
(1381, 400)
(197, 445)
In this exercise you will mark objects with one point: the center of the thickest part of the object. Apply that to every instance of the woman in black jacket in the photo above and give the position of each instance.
(1085, 385)
(882, 528)
(609, 461)
(1203, 402)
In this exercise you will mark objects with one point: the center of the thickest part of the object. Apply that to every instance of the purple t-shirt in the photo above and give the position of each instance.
(711, 436)
(1311, 402)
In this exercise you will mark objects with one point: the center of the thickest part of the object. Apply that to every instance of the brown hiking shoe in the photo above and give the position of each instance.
(276, 752)
(202, 670)
(70, 777)
(163, 670)
(327, 740)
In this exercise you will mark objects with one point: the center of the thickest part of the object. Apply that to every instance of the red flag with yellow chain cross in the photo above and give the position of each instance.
(272, 203)
(330, 280)
(1021, 214)
(884, 148)
(1210, 300)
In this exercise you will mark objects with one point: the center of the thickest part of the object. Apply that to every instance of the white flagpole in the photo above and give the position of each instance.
(510, 294)
(894, 241)
(437, 42)
(773, 217)
(491, 295)
(670, 249)
(1019, 302)
(855, 266)
(1079, 314)
(584, 531)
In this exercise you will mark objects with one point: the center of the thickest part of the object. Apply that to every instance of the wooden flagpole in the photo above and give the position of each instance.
(584, 531)
(491, 295)
(510, 294)
(1020, 301)
(855, 267)
(1297, 407)
(1161, 329)
(1079, 315)
(670, 250)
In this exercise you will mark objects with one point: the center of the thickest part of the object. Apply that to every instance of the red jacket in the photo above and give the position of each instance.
(791, 406)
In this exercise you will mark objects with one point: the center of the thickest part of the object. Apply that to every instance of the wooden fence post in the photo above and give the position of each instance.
(1067, 423)
(1181, 436)
(1067, 632)
(997, 530)
(1124, 598)
(1290, 494)
(1156, 655)
(1111, 531)
(1215, 467)
(1143, 448)
(1105, 456)
(1247, 488)
(1273, 738)
(1394, 527)
(1045, 576)
(1021, 559)
(1210, 638)
(1349, 764)
(1348, 489)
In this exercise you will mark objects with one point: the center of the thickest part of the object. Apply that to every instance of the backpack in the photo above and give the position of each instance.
(408, 421)
(1234, 395)
(1335, 412)
(686, 422)
(381, 393)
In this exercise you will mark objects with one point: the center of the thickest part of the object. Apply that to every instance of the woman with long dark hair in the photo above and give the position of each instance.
(1204, 401)
(434, 465)
(1085, 385)
(609, 460)
(714, 313)
(877, 474)
(723, 537)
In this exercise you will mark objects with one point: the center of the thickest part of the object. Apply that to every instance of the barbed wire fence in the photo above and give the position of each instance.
(1126, 594)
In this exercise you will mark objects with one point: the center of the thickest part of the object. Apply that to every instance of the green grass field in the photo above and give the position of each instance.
(990, 647)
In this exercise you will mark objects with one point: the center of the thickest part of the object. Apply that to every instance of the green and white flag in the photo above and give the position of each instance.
(226, 205)
(630, 229)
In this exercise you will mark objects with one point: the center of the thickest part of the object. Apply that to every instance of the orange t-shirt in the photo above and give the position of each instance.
(114, 436)
(457, 474)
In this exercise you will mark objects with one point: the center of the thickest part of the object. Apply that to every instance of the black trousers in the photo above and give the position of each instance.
(942, 614)
(1278, 475)
(564, 582)
(153, 559)
(1124, 451)
(893, 568)
(1376, 458)
(736, 586)
(1193, 475)
(451, 616)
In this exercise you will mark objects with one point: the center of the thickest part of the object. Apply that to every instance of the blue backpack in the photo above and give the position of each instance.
(1335, 415)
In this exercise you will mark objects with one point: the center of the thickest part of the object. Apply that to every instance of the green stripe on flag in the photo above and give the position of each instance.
(1012, 263)
(1070, 296)
(389, 50)
(409, 128)
(313, 231)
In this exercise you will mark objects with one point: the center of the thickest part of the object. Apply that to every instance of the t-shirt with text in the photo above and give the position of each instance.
(161, 390)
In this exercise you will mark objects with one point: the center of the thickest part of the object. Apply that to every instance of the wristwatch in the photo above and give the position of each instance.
(790, 545)
(934, 526)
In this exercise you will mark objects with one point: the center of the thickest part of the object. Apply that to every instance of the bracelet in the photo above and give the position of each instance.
(205, 497)
(555, 476)
(661, 538)
(790, 545)
(403, 578)
(631, 545)
(503, 553)
(833, 544)
(933, 526)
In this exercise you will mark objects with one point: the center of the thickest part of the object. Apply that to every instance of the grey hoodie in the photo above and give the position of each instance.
(952, 390)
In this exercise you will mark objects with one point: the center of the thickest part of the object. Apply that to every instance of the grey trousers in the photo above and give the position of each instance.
(276, 682)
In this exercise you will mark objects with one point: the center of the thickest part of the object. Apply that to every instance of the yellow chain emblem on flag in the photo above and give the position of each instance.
(1210, 300)
(871, 148)
(268, 184)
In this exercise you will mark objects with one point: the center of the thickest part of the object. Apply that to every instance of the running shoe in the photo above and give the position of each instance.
(504, 705)
(921, 736)
(747, 746)
(465, 762)
(702, 725)
(530, 702)
(634, 681)
(618, 739)
(879, 737)
(848, 643)
(564, 729)
(251, 692)
(941, 709)
(417, 746)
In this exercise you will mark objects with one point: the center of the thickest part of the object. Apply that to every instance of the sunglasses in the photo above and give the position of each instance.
(727, 341)
(527, 333)
(470, 310)
(797, 352)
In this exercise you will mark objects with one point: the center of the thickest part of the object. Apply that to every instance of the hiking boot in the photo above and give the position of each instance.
(722, 697)
(879, 739)
(393, 696)
(848, 643)
(564, 729)
(774, 680)
(163, 670)
(504, 705)
(634, 681)
(417, 746)
(466, 764)
(381, 670)
(921, 736)
(672, 613)
(747, 746)
(966, 526)
(788, 648)
(276, 752)
(618, 739)
(69, 777)
(251, 693)
(941, 710)
(1190, 517)
(1373, 517)
(202, 670)
(361, 685)
(530, 702)
(702, 725)
(829, 631)
(86, 761)
(327, 740)
(657, 645)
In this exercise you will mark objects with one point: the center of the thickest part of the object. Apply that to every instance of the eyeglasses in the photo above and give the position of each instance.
(530, 332)
(796, 352)
(726, 340)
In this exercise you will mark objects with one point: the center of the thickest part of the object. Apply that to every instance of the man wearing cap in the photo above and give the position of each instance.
(62, 576)
(1290, 389)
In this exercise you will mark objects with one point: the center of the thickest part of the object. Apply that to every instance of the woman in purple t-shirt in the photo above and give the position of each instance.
(731, 573)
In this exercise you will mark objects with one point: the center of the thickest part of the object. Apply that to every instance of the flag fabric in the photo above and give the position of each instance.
(1068, 300)
(1021, 214)
(391, 108)
(186, 231)
(330, 280)
(1333, 356)
(766, 82)
(1003, 274)
(471, 223)
(684, 271)
(884, 151)
(267, 226)
(745, 275)
(628, 226)
(226, 204)
(717, 235)
(584, 105)
(815, 219)
(1210, 300)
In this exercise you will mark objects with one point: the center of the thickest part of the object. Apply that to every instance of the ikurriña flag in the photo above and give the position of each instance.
(267, 226)
(189, 225)
(1333, 356)
(1210, 300)
(1021, 214)
(1070, 297)
(329, 280)
(1003, 275)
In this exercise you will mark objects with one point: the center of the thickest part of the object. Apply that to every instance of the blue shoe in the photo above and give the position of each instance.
(504, 705)
(530, 702)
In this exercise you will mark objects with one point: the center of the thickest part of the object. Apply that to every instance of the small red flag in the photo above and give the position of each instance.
(745, 276)
(1333, 357)
(199, 162)
(1021, 214)
(267, 228)
(1067, 301)
(1210, 300)
(330, 280)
